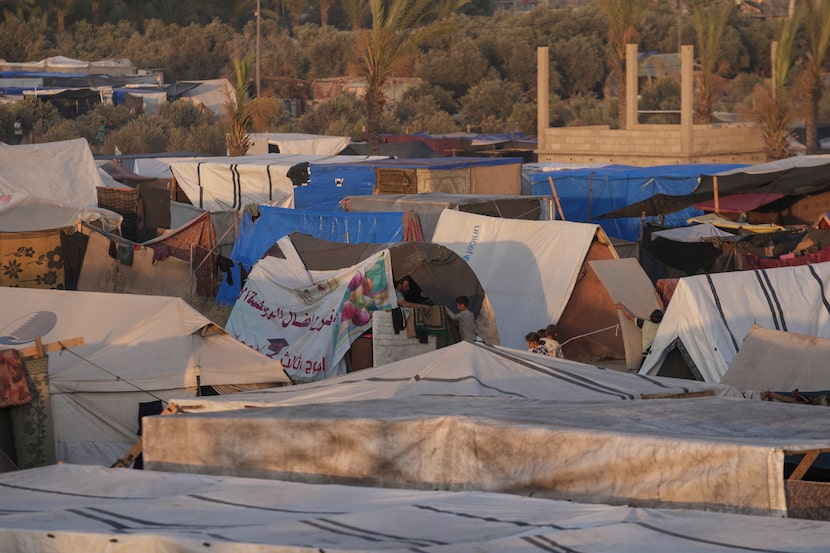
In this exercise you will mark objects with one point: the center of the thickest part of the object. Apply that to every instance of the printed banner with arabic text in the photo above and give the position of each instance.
(309, 329)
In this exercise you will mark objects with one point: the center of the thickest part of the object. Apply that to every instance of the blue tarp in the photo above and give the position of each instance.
(322, 192)
(588, 193)
(255, 237)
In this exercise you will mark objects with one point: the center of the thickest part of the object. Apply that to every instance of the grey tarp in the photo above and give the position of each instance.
(709, 453)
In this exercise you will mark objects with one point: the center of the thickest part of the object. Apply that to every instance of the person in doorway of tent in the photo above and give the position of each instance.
(465, 318)
(648, 326)
(401, 289)
(551, 343)
(535, 345)
(18, 130)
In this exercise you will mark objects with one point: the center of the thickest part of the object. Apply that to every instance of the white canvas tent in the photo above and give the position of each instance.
(297, 143)
(136, 349)
(465, 369)
(74, 509)
(710, 315)
(64, 172)
(24, 213)
(777, 361)
(231, 183)
(529, 268)
(213, 95)
(711, 453)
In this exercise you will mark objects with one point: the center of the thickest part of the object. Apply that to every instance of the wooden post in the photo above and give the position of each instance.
(717, 199)
(556, 199)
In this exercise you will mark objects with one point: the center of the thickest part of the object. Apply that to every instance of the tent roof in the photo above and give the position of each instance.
(135, 349)
(231, 183)
(63, 172)
(712, 314)
(50, 507)
(529, 268)
(303, 143)
(465, 369)
(778, 361)
(30, 213)
(713, 453)
(793, 176)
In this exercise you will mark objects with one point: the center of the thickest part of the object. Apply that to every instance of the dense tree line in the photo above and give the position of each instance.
(478, 67)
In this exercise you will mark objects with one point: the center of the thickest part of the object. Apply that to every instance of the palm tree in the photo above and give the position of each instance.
(778, 104)
(621, 16)
(61, 9)
(325, 6)
(817, 30)
(356, 12)
(710, 25)
(388, 48)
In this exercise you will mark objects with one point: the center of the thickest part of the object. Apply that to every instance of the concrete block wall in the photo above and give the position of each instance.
(647, 145)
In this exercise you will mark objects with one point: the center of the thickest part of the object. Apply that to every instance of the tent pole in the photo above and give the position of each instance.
(717, 200)
(556, 199)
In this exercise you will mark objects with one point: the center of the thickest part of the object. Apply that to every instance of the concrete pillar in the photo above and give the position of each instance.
(631, 107)
(687, 94)
(542, 93)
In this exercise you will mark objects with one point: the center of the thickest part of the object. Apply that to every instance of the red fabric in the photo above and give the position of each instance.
(740, 203)
(201, 236)
(756, 262)
(412, 230)
(665, 287)
(14, 389)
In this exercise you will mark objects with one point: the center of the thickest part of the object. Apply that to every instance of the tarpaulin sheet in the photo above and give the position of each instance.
(465, 369)
(63, 172)
(77, 509)
(136, 348)
(328, 184)
(585, 194)
(308, 321)
(255, 237)
(710, 453)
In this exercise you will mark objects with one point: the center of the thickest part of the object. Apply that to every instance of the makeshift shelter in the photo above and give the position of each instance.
(586, 194)
(329, 183)
(72, 508)
(708, 453)
(231, 183)
(182, 262)
(24, 213)
(783, 182)
(603, 287)
(530, 270)
(454, 175)
(63, 172)
(779, 361)
(465, 369)
(710, 315)
(429, 205)
(211, 96)
(135, 350)
(256, 236)
(296, 143)
(308, 300)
